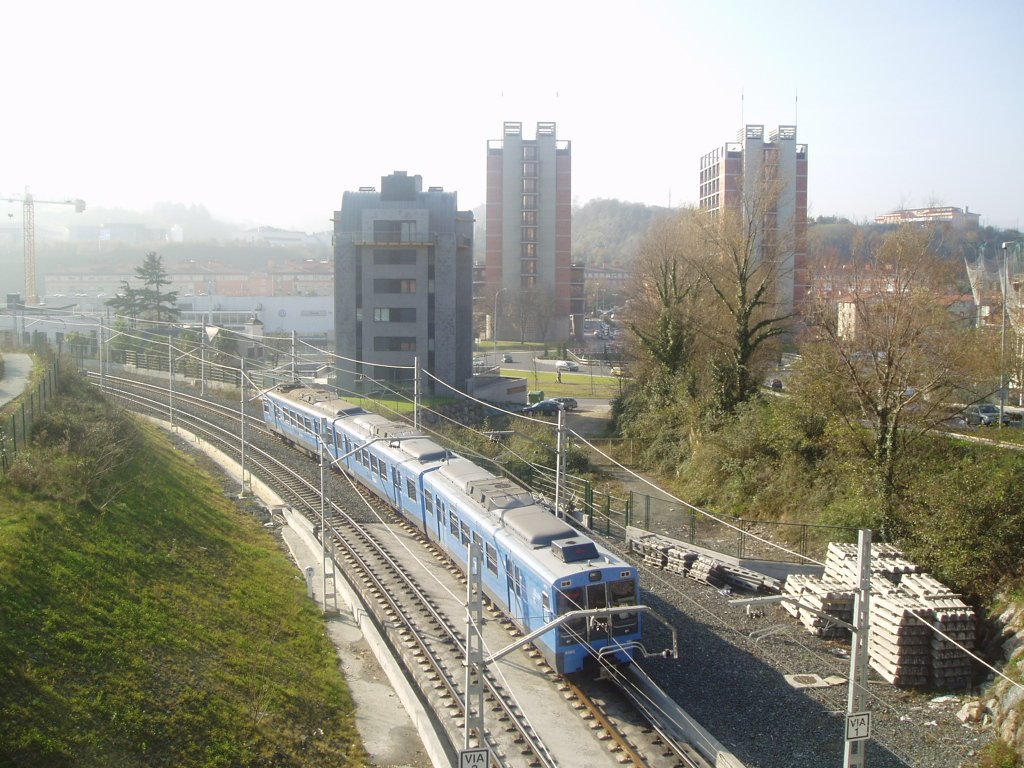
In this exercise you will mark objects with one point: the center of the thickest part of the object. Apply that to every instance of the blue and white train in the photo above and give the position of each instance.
(534, 566)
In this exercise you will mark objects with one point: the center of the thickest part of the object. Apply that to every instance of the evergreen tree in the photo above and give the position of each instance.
(154, 277)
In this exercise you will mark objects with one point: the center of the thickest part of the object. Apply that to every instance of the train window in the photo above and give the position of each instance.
(396, 480)
(383, 471)
(465, 533)
(570, 600)
(364, 457)
(309, 424)
(410, 489)
(441, 510)
(518, 586)
(491, 558)
(572, 631)
(622, 592)
(453, 524)
(373, 464)
(266, 407)
(596, 596)
(428, 501)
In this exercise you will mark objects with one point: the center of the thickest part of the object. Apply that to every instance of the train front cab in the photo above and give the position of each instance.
(580, 639)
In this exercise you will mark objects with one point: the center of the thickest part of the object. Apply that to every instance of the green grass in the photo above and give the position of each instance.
(579, 385)
(149, 621)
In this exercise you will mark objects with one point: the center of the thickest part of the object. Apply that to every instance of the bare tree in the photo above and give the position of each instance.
(888, 347)
(742, 261)
(664, 294)
(533, 312)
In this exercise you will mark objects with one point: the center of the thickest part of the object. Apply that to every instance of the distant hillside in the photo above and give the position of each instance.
(605, 233)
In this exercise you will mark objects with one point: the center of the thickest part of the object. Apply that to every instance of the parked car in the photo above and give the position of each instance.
(568, 403)
(543, 408)
(985, 415)
(566, 365)
(507, 358)
(617, 370)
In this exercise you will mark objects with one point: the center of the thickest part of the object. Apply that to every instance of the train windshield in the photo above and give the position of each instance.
(613, 594)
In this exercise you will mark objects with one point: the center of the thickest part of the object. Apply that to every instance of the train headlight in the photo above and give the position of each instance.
(594, 576)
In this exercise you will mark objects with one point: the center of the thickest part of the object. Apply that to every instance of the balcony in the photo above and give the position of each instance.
(393, 239)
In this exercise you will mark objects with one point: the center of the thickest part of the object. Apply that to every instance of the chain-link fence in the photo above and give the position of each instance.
(20, 414)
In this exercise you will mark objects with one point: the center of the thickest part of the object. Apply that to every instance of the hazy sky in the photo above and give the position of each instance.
(267, 112)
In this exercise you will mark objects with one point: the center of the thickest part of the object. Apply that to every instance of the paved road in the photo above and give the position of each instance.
(17, 367)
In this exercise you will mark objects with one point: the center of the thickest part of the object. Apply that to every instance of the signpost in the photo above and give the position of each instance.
(478, 757)
(858, 726)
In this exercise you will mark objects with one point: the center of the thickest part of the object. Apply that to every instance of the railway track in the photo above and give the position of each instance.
(360, 533)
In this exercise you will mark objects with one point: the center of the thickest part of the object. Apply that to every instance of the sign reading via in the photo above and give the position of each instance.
(479, 757)
(858, 726)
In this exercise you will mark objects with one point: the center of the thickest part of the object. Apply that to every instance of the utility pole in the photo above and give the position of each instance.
(858, 719)
(474, 704)
(560, 461)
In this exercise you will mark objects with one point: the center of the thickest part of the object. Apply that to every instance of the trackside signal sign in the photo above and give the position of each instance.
(858, 726)
(479, 757)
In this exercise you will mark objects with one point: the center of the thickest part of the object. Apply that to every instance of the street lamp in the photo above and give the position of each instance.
(1002, 337)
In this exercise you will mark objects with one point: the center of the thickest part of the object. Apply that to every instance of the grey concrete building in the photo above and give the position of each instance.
(403, 285)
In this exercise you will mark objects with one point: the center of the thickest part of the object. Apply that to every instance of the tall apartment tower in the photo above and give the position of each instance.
(773, 172)
(529, 272)
(403, 285)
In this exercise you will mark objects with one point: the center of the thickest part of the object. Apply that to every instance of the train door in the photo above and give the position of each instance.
(428, 511)
(599, 627)
(517, 606)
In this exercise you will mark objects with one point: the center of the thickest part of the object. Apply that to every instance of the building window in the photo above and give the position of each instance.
(528, 251)
(529, 185)
(394, 314)
(529, 152)
(393, 285)
(528, 281)
(394, 343)
(530, 170)
(529, 218)
(529, 202)
(529, 234)
(528, 266)
(394, 231)
(393, 257)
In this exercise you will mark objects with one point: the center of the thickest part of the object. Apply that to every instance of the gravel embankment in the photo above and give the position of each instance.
(729, 677)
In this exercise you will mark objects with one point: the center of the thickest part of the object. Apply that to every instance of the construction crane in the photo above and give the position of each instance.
(28, 204)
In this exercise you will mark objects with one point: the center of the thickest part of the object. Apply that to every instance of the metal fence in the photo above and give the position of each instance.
(610, 515)
(20, 414)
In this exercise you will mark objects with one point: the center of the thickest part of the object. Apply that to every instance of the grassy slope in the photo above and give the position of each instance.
(165, 629)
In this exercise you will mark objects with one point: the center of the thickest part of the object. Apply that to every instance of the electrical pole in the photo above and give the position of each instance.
(474, 704)
(858, 719)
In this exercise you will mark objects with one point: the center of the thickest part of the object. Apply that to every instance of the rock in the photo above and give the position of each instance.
(971, 712)
(1008, 728)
